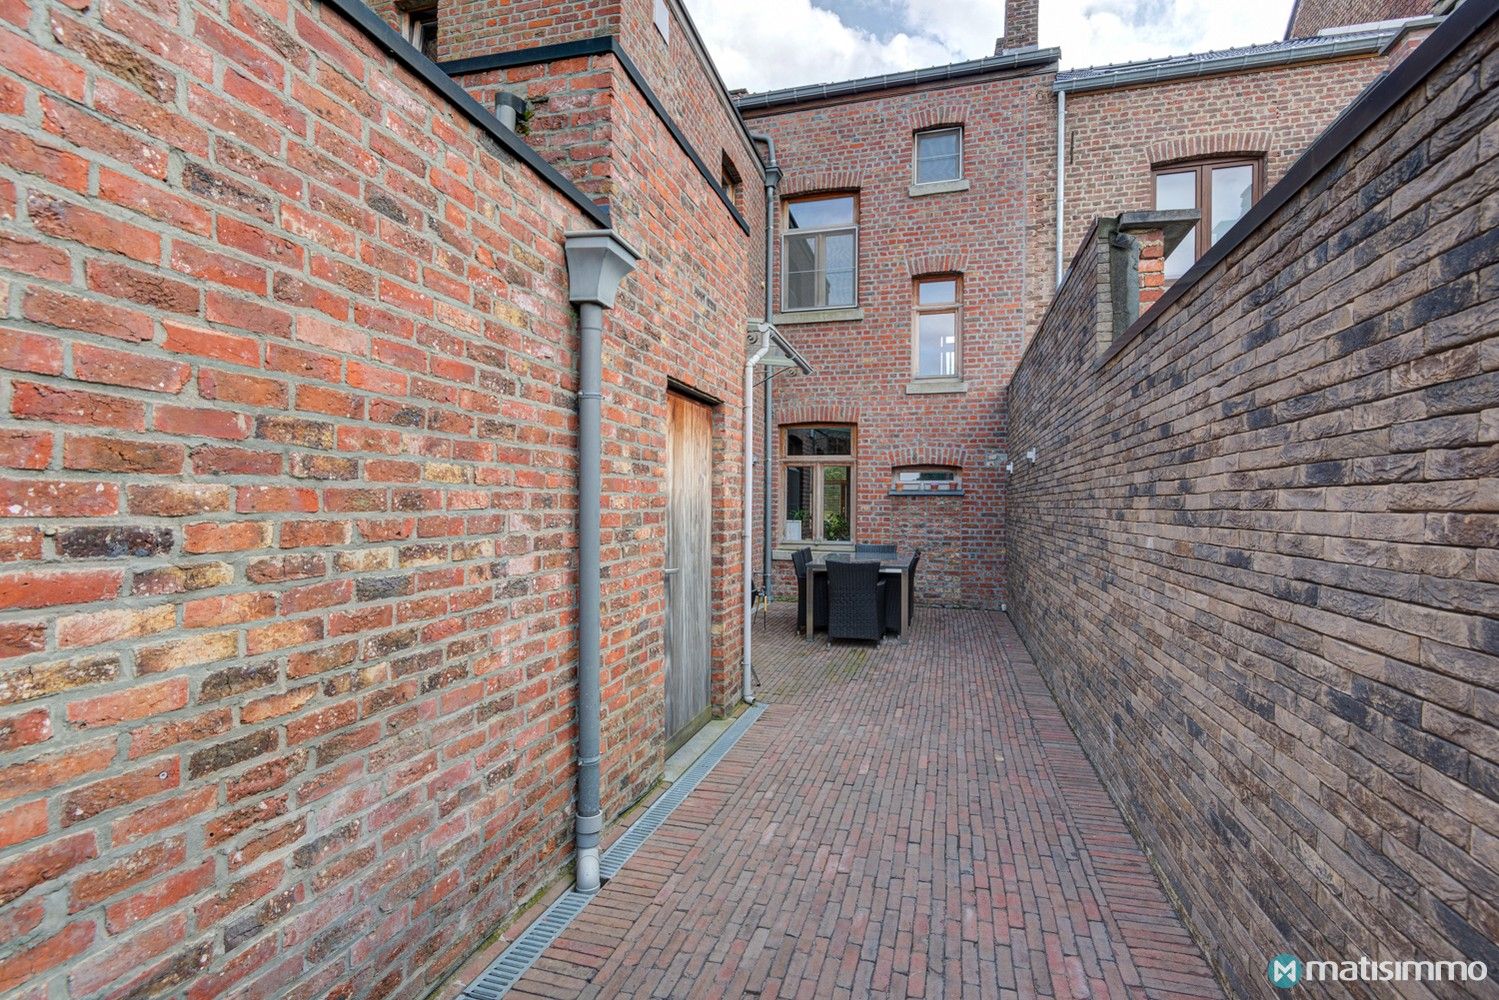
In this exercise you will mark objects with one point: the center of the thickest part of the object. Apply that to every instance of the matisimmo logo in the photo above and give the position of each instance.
(1285, 971)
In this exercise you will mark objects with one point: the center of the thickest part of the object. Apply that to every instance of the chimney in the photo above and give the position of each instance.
(1133, 276)
(1022, 25)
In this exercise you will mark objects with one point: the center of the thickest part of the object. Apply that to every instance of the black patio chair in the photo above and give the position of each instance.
(863, 551)
(819, 597)
(856, 600)
(892, 596)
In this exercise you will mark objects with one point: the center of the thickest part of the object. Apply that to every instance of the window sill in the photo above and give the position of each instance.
(852, 314)
(926, 493)
(938, 187)
(922, 386)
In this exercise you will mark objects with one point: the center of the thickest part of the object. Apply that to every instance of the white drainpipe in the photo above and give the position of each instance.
(749, 504)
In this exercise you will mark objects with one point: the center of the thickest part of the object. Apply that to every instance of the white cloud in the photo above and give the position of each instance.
(1095, 32)
(763, 44)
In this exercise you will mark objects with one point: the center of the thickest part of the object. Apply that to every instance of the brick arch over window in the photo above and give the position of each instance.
(948, 456)
(937, 262)
(1201, 147)
(951, 115)
(818, 413)
(816, 181)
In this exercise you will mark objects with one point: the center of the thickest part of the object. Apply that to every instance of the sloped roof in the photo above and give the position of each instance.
(1225, 60)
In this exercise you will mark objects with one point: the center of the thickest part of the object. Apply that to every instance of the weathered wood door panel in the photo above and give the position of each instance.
(689, 579)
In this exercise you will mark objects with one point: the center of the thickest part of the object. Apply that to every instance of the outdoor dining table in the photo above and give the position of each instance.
(888, 568)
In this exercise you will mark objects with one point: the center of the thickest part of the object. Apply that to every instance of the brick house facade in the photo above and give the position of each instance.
(1122, 124)
(863, 355)
(288, 637)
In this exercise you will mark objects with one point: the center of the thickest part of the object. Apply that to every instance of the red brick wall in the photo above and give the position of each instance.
(1114, 137)
(863, 368)
(1310, 16)
(287, 598)
(1255, 556)
(573, 126)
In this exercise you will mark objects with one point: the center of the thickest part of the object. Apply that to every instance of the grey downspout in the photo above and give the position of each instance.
(596, 261)
(1061, 176)
(767, 461)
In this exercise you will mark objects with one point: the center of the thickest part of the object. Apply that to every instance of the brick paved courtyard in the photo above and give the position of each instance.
(913, 820)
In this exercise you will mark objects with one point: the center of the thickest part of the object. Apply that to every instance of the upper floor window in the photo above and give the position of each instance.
(420, 22)
(939, 155)
(936, 326)
(819, 253)
(1222, 190)
(729, 178)
(661, 15)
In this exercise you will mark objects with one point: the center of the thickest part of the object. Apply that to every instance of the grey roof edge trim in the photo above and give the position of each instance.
(383, 35)
(1376, 101)
(1020, 59)
(1409, 25)
(789, 349)
(1156, 70)
(605, 45)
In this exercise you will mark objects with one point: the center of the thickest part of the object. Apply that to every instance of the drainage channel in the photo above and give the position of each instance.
(506, 970)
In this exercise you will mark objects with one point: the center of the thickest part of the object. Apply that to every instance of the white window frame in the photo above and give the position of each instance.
(916, 154)
(821, 233)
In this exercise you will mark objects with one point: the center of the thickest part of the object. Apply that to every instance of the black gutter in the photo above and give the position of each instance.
(1022, 59)
(1462, 24)
(430, 73)
(598, 46)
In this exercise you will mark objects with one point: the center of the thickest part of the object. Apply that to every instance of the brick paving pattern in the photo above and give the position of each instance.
(913, 820)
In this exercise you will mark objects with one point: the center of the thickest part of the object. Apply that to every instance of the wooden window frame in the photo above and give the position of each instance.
(916, 153)
(821, 233)
(817, 463)
(414, 19)
(1203, 189)
(918, 310)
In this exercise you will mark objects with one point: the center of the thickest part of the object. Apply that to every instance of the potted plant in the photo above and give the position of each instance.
(794, 521)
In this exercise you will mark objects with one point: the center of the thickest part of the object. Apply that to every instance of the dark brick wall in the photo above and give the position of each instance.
(287, 583)
(1255, 556)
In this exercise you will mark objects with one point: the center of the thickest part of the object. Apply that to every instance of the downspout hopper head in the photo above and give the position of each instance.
(773, 176)
(508, 108)
(597, 260)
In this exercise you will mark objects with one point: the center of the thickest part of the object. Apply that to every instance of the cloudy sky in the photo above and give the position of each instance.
(765, 44)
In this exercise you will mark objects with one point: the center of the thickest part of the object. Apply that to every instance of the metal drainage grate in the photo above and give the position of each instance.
(504, 972)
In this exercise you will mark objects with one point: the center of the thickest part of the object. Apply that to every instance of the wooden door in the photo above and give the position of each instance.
(689, 519)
